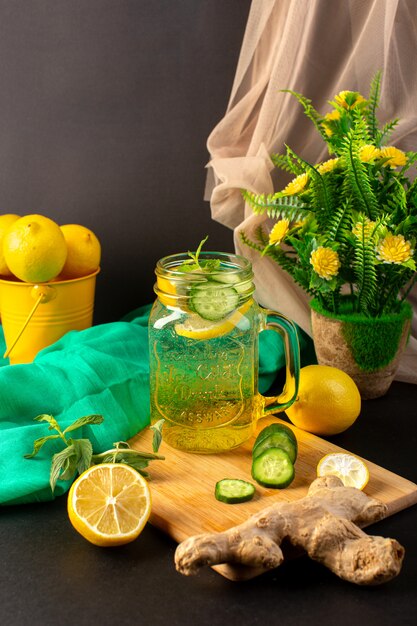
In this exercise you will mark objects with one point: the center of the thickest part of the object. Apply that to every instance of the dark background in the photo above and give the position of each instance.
(105, 109)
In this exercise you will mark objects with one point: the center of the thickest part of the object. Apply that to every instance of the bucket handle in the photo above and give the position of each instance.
(42, 294)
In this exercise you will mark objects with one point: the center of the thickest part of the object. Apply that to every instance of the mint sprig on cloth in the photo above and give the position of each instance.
(77, 456)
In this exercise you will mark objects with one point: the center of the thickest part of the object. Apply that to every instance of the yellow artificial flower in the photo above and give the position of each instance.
(394, 249)
(369, 153)
(327, 166)
(333, 116)
(299, 223)
(325, 262)
(364, 229)
(397, 158)
(296, 185)
(354, 96)
(278, 232)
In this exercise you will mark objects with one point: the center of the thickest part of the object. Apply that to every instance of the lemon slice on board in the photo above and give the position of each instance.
(352, 471)
(109, 504)
(195, 327)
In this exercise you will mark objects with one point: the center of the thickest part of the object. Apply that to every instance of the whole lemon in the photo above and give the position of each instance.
(84, 251)
(328, 401)
(5, 221)
(34, 248)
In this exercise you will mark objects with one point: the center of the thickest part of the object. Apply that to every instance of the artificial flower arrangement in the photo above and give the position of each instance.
(347, 225)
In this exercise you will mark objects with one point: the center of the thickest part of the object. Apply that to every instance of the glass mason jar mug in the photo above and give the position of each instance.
(203, 340)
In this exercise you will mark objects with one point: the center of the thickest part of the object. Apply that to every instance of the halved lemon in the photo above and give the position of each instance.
(195, 327)
(352, 471)
(109, 504)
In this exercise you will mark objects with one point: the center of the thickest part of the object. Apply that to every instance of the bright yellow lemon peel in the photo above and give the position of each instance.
(109, 504)
(34, 248)
(83, 251)
(328, 401)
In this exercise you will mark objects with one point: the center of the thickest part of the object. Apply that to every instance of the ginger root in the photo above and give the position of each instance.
(323, 524)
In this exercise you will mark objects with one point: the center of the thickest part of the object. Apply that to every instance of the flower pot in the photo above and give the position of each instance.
(368, 349)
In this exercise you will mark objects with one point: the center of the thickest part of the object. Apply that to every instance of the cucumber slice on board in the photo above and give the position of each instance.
(213, 301)
(234, 490)
(273, 468)
(276, 436)
(277, 440)
(273, 429)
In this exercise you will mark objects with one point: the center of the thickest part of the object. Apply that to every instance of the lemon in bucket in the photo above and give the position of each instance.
(43, 305)
(6, 220)
(83, 251)
(34, 248)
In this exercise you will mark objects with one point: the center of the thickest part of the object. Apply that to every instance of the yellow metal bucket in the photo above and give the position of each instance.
(35, 316)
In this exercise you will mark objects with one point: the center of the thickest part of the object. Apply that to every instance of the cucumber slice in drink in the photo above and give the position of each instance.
(273, 468)
(231, 278)
(213, 301)
(234, 490)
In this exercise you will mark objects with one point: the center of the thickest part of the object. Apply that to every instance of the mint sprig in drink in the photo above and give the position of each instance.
(203, 339)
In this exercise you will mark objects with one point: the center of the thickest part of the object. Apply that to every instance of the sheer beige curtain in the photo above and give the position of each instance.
(318, 48)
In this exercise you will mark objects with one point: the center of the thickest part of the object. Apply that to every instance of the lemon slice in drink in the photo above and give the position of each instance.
(109, 504)
(352, 471)
(195, 327)
(167, 291)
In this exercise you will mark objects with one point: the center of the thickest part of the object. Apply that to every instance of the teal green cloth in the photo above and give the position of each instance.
(104, 370)
(101, 370)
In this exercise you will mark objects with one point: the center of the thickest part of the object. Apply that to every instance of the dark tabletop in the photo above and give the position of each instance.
(51, 575)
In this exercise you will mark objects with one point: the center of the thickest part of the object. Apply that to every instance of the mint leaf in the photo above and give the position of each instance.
(209, 265)
(53, 424)
(188, 266)
(78, 455)
(37, 445)
(193, 264)
(61, 463)
(123, 453)
(84, 421)
(195, 255)
(84, 454)
(157, 434)
(121, 445)
(135, 460)
(69, 468)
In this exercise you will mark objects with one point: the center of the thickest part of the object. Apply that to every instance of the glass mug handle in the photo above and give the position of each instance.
(287, 330)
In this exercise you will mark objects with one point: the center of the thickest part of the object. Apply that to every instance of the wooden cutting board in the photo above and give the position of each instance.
(182, 486)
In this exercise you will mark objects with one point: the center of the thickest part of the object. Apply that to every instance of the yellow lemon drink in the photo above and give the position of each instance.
(203, 341)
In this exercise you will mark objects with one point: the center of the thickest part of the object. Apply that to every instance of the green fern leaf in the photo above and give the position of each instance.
(340, 224)
(275, 204)
(386, 131)
(292, 267)
(261, 236)
(251, 244)
(318, 188)
(309, 111)
(282, 162)
(357, 184)
(260, 203)
(373, 102)
(365, 272)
